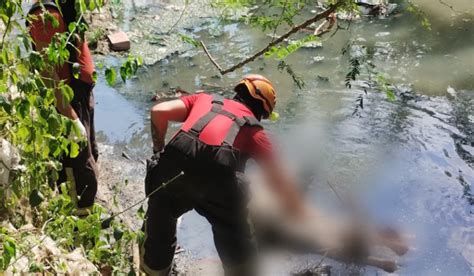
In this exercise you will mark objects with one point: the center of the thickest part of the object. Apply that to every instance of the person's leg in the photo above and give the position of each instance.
(81, 172)
(157, 250)
(225, 207)
(165, 206)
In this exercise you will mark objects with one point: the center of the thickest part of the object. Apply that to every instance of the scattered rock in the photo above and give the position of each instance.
(9, 161)
(126, 156)
(451, 91)
(119, 41)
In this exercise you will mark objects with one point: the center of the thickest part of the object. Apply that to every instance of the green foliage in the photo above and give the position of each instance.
(361, 62)
(104, 247)
(110, 76)
(30, 121)
(127, 70)
(282, 52)
(191, 41)
(9, 251)
(385, 86)
(419, 13)
(282, 65)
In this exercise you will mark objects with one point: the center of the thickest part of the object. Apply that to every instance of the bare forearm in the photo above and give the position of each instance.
(158, 134)
(285, 188)
(63, 107)
(160, 115)
(290, 196)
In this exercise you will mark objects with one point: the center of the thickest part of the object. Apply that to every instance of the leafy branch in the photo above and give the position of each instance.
(275, 42)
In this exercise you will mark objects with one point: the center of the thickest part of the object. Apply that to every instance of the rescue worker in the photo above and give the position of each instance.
(211, 148)
(81, 171)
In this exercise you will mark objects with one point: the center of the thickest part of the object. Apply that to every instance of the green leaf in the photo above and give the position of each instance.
(54, 125)
(82, 225)
(390, 95)
(67, 92)
(74, 150)
(190, 40)
(110, 76)
(123, 73)
(94, 76)
(274, 116)
(92, 5)
(50, 18)
(139, 61)
(5, 104)
(71, 27)
(36, 197)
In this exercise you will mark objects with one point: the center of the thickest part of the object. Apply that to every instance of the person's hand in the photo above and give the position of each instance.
(79, 132)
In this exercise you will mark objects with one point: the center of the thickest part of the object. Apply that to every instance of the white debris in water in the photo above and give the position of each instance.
(318, 58)
(313, 44)
(382, 34)
(451, 91)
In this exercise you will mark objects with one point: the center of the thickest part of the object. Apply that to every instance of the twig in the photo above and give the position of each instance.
(322, 259)
(106, 222)
(186, 2)
(6, 31)
(331, 19)
(279, 19)
(335, 192)
(451, 7)
(210, 57)
(35, 245)
(5, 165)
(295, 29)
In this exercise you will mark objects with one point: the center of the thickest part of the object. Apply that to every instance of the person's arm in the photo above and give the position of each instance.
(284, 186)
(160, 115)
(275, 173)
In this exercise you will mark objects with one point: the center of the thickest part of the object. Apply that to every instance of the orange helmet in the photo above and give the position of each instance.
(261, 88)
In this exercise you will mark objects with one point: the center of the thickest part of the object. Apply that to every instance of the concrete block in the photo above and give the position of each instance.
(119, 41)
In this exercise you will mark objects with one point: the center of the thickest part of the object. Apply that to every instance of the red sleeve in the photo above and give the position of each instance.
(260, 147)
(42, 31)
(190, 100)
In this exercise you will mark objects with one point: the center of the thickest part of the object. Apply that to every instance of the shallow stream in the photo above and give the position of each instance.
(411, 160)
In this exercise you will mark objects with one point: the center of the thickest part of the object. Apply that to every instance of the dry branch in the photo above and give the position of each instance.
(294, 30)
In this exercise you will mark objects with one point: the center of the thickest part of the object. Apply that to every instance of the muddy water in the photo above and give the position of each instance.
(411, 160)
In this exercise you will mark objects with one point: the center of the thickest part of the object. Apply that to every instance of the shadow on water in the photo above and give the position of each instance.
(412, 160)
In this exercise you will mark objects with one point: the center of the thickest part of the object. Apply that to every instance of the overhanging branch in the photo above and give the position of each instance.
(294, 30)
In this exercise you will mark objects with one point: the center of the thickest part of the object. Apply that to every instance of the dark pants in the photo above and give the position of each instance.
(81, 172)
(220, 196)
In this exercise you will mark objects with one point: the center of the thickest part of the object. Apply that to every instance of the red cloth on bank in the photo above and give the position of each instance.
(43, 32)
(251, 140)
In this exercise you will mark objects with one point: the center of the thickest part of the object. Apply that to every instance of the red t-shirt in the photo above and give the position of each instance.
(251, 140)
(42, 32)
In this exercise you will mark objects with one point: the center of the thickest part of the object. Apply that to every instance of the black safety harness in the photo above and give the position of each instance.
(222, 156)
